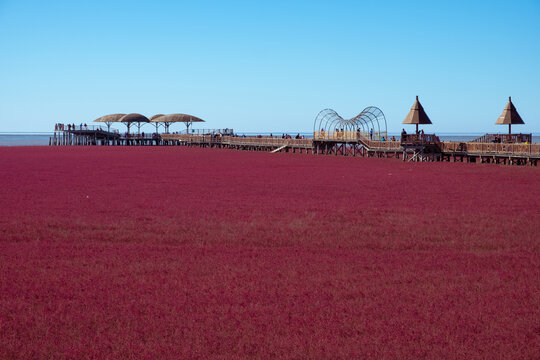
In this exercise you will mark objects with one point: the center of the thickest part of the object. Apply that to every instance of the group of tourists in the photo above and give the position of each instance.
(419, 136)
(69, 127)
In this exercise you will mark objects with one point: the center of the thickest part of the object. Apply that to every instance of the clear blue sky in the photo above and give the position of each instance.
(269, 65)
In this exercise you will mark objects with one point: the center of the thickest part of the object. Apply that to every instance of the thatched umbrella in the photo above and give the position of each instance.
(167, 120)
(109, 119)
(417, 115)
(134, 118)
(509, 116)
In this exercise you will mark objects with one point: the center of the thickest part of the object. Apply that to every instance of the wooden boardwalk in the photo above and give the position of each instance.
(341, 143)
(518, 154)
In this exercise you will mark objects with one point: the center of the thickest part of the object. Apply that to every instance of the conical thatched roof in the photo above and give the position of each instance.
(133, 117)
(417, 115)
(110, 118)
(509, 115)
(177, 118)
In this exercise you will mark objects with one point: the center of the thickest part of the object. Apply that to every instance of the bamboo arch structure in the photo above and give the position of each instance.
(370, 118)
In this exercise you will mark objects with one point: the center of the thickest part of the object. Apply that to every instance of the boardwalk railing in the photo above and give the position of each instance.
(266, 141)
(347, 135)
(273, 141)
(383, 145)
(240, 141)
(69, 127)
(419, 139)
(490, 148)
(187, 138)
(380, 140)
(504, 138)
(206, 131)
(145, 136)
(445, 146)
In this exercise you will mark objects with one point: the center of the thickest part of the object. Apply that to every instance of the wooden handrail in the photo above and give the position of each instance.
(419, 139)
(504, 138)
(445, 146)
(348, 135)
(490, 148)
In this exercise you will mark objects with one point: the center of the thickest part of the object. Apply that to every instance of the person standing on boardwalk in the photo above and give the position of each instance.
(371, 134)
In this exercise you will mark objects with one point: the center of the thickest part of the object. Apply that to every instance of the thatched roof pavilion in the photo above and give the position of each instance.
(167, 120)
(139, 120)
(152, 118)
(134, 118)
(417, 115)
(109, 119)
(509, 116)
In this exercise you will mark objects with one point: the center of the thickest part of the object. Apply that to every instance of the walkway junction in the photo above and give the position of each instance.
(363, 135)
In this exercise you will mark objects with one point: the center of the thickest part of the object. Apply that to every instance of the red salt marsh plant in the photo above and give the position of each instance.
(167, 252)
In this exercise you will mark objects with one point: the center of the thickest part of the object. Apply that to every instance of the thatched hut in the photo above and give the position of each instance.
(509, 116)
(417, 115)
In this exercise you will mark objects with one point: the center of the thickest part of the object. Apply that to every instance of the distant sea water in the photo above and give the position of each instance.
(42, 139)
(24, 139)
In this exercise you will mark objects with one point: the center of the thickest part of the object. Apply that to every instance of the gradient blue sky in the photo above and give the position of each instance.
(269, 65)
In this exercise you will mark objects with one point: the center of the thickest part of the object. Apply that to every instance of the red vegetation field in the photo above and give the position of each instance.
(174, 252)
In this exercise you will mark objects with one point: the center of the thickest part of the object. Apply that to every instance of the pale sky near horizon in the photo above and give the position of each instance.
(269, 66)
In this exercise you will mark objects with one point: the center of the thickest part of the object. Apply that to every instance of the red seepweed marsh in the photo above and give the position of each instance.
(173, 252)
